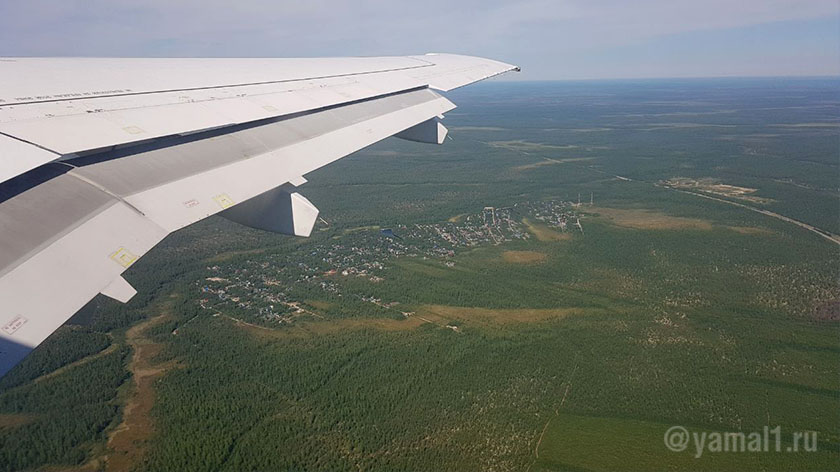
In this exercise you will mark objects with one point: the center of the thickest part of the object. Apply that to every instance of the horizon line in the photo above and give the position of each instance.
(697, 77)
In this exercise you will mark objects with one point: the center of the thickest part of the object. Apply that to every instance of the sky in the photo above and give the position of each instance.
(549, 39)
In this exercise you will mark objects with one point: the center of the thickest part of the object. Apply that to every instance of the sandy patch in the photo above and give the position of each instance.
(548, 162)
(709, 185)
(545, 233)
(650, 219)
(527, 146)
(13, 420)
(441, 316)
(128, 440)
(523, 257)
(447, 313)
(303, 329)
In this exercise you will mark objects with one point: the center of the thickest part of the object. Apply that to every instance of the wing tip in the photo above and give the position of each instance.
(459, 70)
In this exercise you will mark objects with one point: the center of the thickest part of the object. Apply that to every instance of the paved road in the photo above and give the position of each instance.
(825, 234)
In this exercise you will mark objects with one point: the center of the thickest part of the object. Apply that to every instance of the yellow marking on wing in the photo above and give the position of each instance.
(124, 257)
(224, 200)
(133, 130)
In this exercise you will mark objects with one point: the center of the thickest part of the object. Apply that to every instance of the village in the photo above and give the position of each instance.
(270, 290)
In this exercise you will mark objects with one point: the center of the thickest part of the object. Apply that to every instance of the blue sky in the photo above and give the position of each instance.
(549, 39)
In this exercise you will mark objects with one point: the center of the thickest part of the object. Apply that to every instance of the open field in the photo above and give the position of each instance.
(501, 338)
(549, 162)
(496, 316)
(14, 420)
(650, 219)
(435, 315)
(524, 257)
(126, 442)
(526, 146)
(544, 233)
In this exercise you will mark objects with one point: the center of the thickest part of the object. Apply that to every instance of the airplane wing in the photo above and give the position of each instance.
(100, 159)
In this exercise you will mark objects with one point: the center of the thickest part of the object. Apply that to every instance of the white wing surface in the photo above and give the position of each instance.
(100, 159)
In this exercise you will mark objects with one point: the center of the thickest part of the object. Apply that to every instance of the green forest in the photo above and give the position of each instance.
(529, 343)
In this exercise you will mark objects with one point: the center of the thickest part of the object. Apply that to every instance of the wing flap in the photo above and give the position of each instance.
(40, 294)
(137, 100)
(217, 189)
(30, 80)
(139, 159)
(95, 124)
(98, 226)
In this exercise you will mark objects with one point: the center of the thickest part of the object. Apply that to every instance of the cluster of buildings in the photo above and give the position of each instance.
(270, 289)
